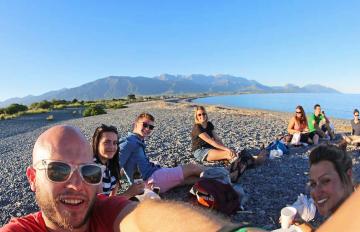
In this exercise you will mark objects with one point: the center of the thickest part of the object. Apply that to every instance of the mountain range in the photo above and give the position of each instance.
(165, 84)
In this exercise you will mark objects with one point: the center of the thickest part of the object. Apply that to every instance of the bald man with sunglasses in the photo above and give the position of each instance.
(65, 181)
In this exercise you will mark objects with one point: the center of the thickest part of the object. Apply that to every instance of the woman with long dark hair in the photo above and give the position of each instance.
(298, 127)
(106, 152)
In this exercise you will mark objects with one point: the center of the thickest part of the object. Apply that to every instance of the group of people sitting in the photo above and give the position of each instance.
(127, 155)
(67, 176)
(308, 130)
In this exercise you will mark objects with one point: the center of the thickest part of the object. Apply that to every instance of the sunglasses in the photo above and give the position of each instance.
(148, 126)
(298, 112)
(203, 114)
(58, 171)
(356, 115)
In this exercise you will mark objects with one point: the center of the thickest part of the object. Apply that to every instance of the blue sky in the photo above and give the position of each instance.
(49, 45)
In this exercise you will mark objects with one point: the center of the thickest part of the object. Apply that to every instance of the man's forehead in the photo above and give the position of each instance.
(62, 144)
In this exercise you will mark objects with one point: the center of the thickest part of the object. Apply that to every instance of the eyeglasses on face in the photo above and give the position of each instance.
(201, 114)
(356, 115)
(59, 171)
(298, 112)
(148, 126)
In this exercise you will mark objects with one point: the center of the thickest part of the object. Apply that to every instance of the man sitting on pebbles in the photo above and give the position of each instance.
(65, 180)
(314, 123)
(133, 157)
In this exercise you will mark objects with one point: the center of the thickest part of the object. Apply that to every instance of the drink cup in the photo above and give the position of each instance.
(287, 216)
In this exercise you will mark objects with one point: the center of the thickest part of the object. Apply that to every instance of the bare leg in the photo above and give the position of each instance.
(316, 139)
(331, 133)
(192, 170)
(354, 139)
(215, 154)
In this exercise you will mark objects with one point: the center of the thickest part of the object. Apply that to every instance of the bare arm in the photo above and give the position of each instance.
(291, 126)
(204, 136)
(152, 215)
(216, 137)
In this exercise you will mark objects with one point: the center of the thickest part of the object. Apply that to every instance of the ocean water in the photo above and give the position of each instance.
(334, 105)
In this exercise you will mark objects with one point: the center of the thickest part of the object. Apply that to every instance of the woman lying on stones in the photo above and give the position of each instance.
(106, 152)
(207, 146)
(299, 130)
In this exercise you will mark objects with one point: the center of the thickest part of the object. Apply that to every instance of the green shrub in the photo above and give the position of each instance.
(59, 106)
(36, 111)
(76, 104)
(115, 105)
(41, 105)
(15, 108)
(2, 116)
(94, 110)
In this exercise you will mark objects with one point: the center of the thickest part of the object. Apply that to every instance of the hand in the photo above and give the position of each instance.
(135, 189)
(232, 153)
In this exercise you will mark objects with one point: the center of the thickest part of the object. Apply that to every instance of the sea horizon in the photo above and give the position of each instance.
(335, 105)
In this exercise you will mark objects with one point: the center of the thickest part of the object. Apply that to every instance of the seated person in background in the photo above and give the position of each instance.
(106, 152)
(298, 126)
(133, 157)
(314, 123)
(355, 132)
(206, 145)
(330, 181)
(65, 180)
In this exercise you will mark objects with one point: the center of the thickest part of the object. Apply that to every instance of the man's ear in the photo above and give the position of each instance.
(31, 176)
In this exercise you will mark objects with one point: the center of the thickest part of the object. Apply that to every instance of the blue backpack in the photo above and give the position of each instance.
(277, 144)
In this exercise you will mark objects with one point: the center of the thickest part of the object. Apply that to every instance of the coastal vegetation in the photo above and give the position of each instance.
(86, 108)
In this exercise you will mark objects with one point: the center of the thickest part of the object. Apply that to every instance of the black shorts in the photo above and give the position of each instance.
(312, 134)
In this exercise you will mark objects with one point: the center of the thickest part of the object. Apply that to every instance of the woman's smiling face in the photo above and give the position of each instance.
(326, 187)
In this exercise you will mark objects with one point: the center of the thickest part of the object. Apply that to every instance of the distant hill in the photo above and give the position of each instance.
(121, 86)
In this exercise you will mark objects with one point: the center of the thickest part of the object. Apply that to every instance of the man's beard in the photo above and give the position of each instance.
(63, 220)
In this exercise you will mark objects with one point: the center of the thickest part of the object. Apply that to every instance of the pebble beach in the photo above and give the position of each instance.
(269, 187)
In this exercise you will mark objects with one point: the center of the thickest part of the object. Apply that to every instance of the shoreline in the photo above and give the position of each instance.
(242, 107)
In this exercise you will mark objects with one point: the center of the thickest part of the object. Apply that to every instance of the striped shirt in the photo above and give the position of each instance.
(109, 181)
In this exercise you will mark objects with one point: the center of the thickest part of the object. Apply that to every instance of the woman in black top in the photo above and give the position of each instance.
(206, 145)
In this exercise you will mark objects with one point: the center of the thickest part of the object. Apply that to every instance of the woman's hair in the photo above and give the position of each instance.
(114, 162)
(339, 158)
(302, 119)
(145, 115)
(195, 113)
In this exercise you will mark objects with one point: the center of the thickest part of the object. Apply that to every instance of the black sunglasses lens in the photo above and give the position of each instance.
(148, 126)
(58, 172)
(91, 174)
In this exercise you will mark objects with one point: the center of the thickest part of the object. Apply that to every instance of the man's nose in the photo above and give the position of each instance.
(75, 182)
